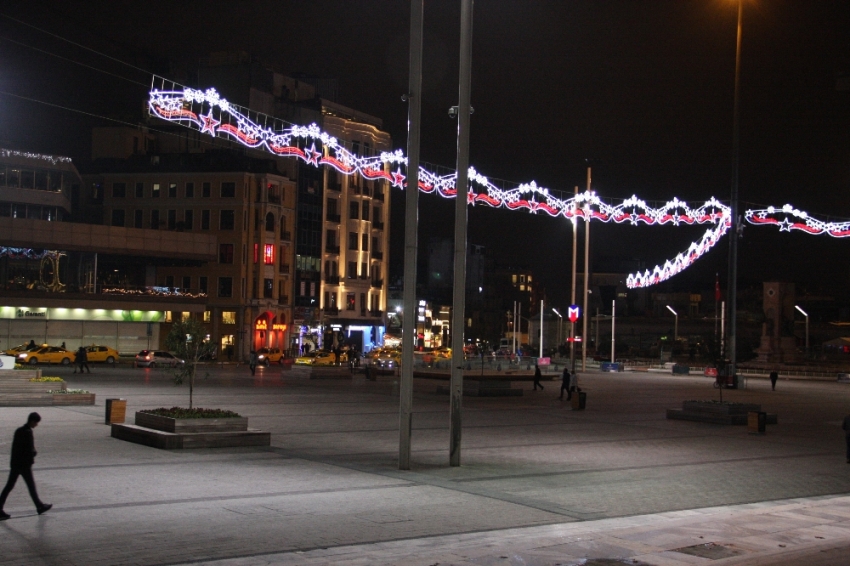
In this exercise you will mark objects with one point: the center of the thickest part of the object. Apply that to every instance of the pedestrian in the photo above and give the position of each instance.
(565, 382)
(63, 345)
(537, 376)
(31, 345)
(845, 425)
(23, 457)
(774, 375)
(82, 360)
(573, 386)
(252, 362)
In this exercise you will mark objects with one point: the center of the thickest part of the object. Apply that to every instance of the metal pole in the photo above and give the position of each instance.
(411, 224)
(573, 293)
(613, 323)
(586, 279)
(807, 336)
(733, 243)
(459, 292)
(723, 329)
(541, 328)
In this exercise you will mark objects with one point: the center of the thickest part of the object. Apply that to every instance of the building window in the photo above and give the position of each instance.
(172, 219)
(168, 317)
(117, 217)
(352, 240)
(207, 316)
(283, 234)
(364, 271)
(269, 222)
(119, 190)
(140, 190)
(256, 253)
(228, 317)
(169, 281)
(188, 220)
(205, 220)
(228, 190)
(172, 190)
(362, 304)
(187, 283)
(268, 288)
(364, 243)
(225, 286)
(205, 190)
(155, 190)
(354, 210)
(138, 222)
(202, 284)
(154, 219)
(227, 220)
(225, 253)
(349, 301)
(352, 270)
(268, 254)
(365, 211)
(190, 190)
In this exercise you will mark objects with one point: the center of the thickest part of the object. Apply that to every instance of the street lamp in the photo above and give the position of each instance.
(675, 324)
(804, 313)
(560, 325)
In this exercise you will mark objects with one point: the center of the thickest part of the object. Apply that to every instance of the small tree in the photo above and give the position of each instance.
(189, 341)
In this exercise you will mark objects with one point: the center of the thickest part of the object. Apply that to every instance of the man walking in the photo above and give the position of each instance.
(565, 382)
(252, 361)
(537, 376)
(82, 359)
(23, 457)
(774, 376)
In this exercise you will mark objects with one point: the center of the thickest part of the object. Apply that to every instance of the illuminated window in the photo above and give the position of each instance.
(228, 317)
(268, 254)
(349, 301)
(184, 316)
(168, 317)
(207, 316)
(155, 190)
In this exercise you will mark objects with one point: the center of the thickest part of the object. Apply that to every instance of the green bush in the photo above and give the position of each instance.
(194, 413)
(46, 379)
(68, 391)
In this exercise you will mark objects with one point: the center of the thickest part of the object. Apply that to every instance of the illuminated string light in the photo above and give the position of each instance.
(318, 148)
(789, 218)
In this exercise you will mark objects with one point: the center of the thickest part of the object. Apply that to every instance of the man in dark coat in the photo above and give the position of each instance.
(537, 376)
(565, 382)
(82, 359)
(774, 375)
(23, 457)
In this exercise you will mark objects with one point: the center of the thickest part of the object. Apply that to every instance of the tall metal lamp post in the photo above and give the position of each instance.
(804, 313)
(675, 324)
(560, 326)
(733, 205)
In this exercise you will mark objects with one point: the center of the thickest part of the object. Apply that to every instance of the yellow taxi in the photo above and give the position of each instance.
(101, 354)
(387, 361)
(46, 355)
(443, 353)
(268, 356)
(321, 358)
(22, 348)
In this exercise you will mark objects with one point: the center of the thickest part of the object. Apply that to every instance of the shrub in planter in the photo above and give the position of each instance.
(193, 413)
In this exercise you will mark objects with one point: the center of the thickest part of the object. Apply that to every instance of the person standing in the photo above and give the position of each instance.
(774, 376)
(23, 457)
(82, 359)
(252, 362)
(845, 425)
(537, 376)
(565, 382)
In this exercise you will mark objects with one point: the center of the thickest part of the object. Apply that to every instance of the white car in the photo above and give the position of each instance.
(154, 358)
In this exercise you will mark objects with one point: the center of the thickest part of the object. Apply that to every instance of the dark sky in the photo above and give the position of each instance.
(642, 89)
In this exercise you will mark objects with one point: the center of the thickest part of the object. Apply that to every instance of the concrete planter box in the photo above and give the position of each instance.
(73, 399)
(167, 424)
(717, 413)
(720, 408)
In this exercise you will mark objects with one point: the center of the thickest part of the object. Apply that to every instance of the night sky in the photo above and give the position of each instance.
(641, 90)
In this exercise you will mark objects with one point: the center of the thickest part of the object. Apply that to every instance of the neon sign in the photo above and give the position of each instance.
(261, 325)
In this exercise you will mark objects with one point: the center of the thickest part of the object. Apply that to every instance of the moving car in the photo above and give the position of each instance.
(387, 361)
(46, 355)
(268, 356)
(101, 354)
(321, 358)
(22, 348)
(154, 358)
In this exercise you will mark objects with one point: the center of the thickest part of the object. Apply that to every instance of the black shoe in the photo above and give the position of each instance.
(4, 516)
(44, 508)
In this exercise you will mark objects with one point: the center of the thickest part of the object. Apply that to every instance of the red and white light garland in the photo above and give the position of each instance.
(207, 112)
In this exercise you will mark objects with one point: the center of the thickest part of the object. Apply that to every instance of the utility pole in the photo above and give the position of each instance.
(586, 279)
(411, 226)
(573, 293)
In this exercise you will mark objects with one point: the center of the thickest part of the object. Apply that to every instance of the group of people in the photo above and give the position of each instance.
(569, 382)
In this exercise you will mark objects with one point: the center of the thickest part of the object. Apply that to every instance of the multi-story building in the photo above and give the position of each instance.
(247, 204)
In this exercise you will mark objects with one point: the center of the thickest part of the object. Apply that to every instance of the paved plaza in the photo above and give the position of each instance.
(539, 484)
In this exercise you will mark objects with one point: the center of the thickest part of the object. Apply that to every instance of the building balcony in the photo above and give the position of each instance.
(377, 283)
(330, 217)
(377, 255)
(284, 268)
(354, 189)
(283, 299)
(378, 196)
(377, 225)
(333, 311)
(332, 249)
(366, 191)
(376, 314)
(335, 187)
(332, 279)
(286, 236)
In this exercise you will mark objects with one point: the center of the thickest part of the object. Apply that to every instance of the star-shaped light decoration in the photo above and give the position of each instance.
(311, 156)
(785, 225)
(398, 179)
(209, 123)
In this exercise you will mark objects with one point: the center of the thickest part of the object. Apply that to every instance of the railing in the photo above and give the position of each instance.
(335, 187)
(377, 225)
(366, 191)
(377, 255)
(330, 217)
(286, 236)
(332, 279)
(153, 291)
(332, 310)
(377, 283)
(332, 249)
(376, 314)
(378, 196)
(283, 300)
(284, 268)
(355, 189)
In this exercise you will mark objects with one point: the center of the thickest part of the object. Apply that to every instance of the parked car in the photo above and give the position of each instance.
(321, 358)
(46, 355)
(154, 358)
(101, 354)
(268, 356)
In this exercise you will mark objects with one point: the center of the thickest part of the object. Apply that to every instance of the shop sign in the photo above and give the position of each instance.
(262, 325)
(278, 327)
